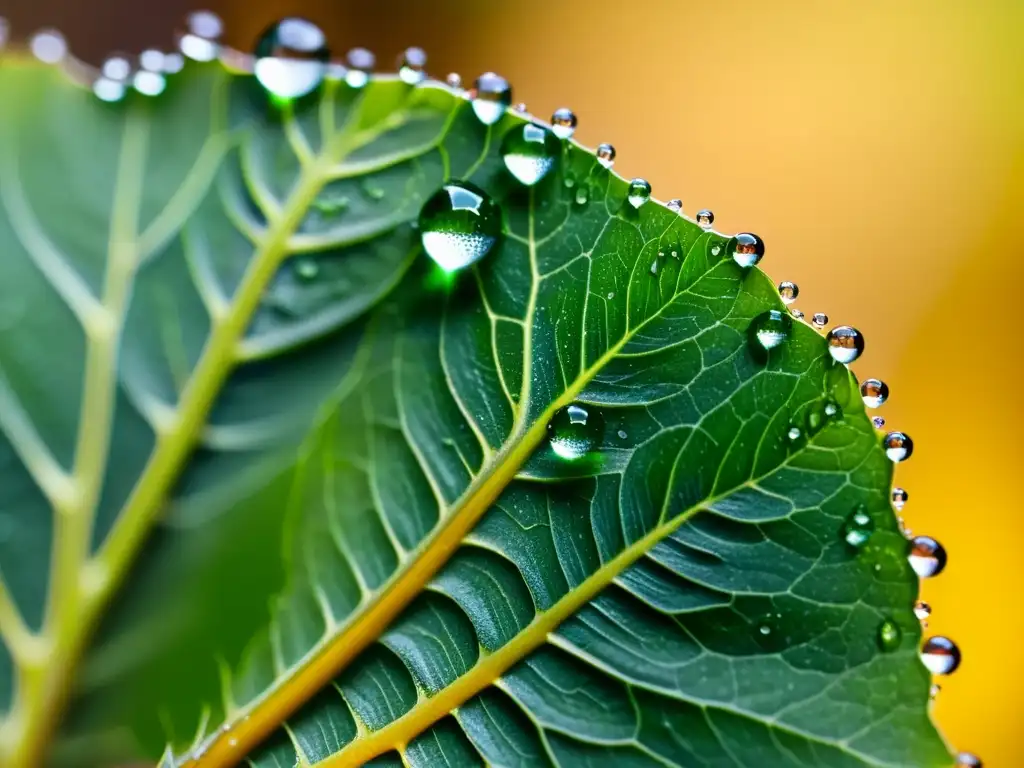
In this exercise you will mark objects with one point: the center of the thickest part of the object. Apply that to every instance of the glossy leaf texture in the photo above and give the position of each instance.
(365, 550)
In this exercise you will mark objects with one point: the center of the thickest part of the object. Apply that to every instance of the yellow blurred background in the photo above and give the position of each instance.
(876, 146)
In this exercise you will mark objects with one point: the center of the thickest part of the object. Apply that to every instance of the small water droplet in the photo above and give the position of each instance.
(202, 40)
(794, 433)
(788, 291)
(291, 58)
(716, 249)
(770, 329)
(459, 225)
(454, 80)
(413, 64)
(605, 155)
(858, 528)
(927, 556)
(563, 122)
(898, 446)
(922, 610)
(639, 192)
(622, 434)
(819, 319)
(845, 344)
(530, 152)
(889, 636)
(764, 629)
(831, 408)
(940, 655)
(307, 268)
(934, 691)
(173, 63)
(49, 46)
(797, 313)
(675, 205)
(968, 760)
(574, 431)
(705, 218)
(153, 60)
(874, 392)
(109, 90)
(654, 267)
(749, 250)
(491, 96)
(116, 68)
(899, 498)
(521, 108)
(149, 83)
(582, 195)
(361, 62)
(611, 294)
(878, 422)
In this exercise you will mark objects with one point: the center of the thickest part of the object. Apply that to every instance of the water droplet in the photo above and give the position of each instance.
(878, 422)
(675, 205)
(797, 313)
(201, 42)
(291, 58)
(716, 249)
(361, 62)
(149, 83)
(611, 294)
(898, 446)
(521, 108)
(459, 225)
(153, 60)
(605, 155)
(705, 218)
(582, 195)
(922, 610)
(654, 267)
(574, 431)
(934, 691)
(889, 636)
(858, 528)
(770, 329)
(49, 46)
(412, 67)
(563, 122)
(116, 68)
(454, 80)
(968, 760)
(819, 319)
(831, 408)
(749, 250)
(927, 556)
(109, 90)
(173, 63)
(530, 152)
(794, 433)
(491, 96)
(940, 655)
(874, 392)
(899, 498)
(764, 629)
(845, 344)
(307, 268)
(622, 434)
(788, 291)
(639, 192)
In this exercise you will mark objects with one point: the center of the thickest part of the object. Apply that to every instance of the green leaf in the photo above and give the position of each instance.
(217, 320)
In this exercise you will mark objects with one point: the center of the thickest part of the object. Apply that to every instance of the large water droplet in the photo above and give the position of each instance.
(922, 610)
(927, 556)
(361, 62)
(845, 344)
(858, 528)
(574, 431)
(819, 319)
(898, 446)
(968, 760)
(940, 655)
(874, 392)
(639, 192)
(899, 498)
(705, 218)
(563, 122)
(770, 329)
(749, 250)
(530, 152)
(605, 155)
(49, 46)
(788, 291)
(291, 58)
(201, 41)
(412, 67)
(491, 96)
(459, 225)
(889, 636)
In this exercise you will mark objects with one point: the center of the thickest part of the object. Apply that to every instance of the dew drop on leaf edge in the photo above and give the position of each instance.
(529, 152)
(889, 636)
(770, 329)
(819, 319)
(201, 40)
(968, 760)
(491, 96)
(412, 66)
(605, 155)
(940, 655)
(574, 431)
(927, 556)
(922, 610)
(291, 58)
(563, 122)
(639, 192)
(459, 225)
(874, 392)
(845, 344)
(748, 250)
(899, 498)
(705, 218)
(898, 446)
(788, 291)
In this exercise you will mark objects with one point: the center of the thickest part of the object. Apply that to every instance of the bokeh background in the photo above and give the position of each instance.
(878, 148)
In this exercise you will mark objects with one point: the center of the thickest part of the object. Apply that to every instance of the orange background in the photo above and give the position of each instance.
(878, 148)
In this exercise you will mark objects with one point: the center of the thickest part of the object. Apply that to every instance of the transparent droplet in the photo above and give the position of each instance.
(878, 422)
(109, 90)
(654, 267)
(622, 434)
(491, 96)
(770, 329)
(611, 294)
(968, 760)
(149, 83)
(749, 250)
(940, 655)
(899, 498)
(530, 152)
(116, 68)
(845, 344)
(412, 67)
(794, 433)
(574, 431)
(819, 319)
(307, 269)
(831, 408)
(582, 195)
(927, 556)
(889, 636)
(563, 122)
(934, 690)
(49, 46)
(922, 610)
(797, 313)
(361, 62)
(606, 155)
(153, 60)
(291, 58)
(898, 446)
(705, 218)
(201, 41)
(521, 108)
(788, 291)
(454, 80)
(639, 192)
(716, 249)
(459, 225)
(874, 392)
(675, 205)
(173, 63)
(764, 629)
(858, 528)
